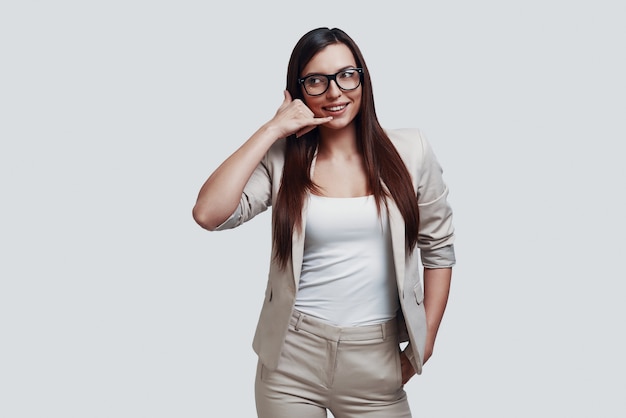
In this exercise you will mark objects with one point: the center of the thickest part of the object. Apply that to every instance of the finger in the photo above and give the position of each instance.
(305, 130)
(321, 121)
(315, 122)
(286, 99)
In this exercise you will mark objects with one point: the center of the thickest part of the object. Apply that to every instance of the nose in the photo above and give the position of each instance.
(333, 89)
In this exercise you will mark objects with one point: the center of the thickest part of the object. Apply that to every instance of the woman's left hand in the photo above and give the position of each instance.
(407, 369)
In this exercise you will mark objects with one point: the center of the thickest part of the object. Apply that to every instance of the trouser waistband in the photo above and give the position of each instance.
(384, 330)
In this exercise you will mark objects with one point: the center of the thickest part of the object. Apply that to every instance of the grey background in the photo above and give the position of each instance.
(114, 303)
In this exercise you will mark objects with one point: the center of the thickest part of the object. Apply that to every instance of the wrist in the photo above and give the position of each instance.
(271, 131)
(408, 353)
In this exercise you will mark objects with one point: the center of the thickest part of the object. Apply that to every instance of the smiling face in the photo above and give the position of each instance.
(342, 105)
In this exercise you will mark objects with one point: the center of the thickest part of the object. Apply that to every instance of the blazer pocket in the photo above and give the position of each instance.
(419, 293)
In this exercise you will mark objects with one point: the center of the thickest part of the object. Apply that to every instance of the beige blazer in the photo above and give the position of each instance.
(435, 245)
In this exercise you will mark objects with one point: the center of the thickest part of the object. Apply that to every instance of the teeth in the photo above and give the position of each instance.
(336, 108)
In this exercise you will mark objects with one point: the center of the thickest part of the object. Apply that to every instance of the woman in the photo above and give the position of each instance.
(353, 206)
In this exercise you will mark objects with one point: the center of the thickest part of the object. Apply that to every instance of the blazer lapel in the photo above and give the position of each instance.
(398, 245)
(297, 241)
(297, 245)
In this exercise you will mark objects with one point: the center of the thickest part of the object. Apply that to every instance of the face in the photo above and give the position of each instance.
(342, 105)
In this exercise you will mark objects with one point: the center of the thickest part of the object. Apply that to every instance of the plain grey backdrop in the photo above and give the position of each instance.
(114, 303)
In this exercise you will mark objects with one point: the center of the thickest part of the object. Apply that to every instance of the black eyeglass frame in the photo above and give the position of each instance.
(332, 77)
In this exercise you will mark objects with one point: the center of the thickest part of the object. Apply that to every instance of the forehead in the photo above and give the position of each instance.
(330, 60)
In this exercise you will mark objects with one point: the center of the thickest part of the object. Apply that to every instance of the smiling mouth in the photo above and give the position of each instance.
(335, 108)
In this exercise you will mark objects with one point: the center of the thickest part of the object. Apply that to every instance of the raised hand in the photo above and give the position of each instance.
(293, 116)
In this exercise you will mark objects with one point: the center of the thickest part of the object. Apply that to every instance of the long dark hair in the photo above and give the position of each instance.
(382, 162)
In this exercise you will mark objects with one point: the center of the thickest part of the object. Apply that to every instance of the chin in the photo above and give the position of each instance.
(333, 126)
(339, 123)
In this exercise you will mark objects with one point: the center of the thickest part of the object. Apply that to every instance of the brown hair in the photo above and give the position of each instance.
(382, 162)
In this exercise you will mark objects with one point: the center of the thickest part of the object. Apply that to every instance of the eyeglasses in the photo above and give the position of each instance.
(317, 84)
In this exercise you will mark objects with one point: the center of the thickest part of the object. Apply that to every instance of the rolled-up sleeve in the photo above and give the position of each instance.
(256, 197)
(436, 228)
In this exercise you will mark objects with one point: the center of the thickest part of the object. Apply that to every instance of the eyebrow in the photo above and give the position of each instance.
(347, 67)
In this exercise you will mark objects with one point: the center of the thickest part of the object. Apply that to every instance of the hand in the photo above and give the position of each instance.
(406, 367)
(293, 116)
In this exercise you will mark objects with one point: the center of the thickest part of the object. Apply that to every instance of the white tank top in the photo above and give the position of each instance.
(348, 277)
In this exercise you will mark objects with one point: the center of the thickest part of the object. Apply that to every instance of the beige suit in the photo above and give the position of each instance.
(435, 245)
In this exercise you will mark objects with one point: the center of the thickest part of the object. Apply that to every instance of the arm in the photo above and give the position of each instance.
(436, 242)
(221, 192)
(436, 291)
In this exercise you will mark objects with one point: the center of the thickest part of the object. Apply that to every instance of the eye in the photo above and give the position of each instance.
(348, 74)
(314, 80)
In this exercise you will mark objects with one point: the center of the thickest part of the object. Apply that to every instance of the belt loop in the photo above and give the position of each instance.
(383, 330)
(299, 321)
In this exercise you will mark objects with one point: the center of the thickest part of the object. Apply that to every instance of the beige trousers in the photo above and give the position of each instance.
(352, 372)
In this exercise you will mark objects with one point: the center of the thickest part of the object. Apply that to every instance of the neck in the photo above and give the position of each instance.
(338, 142)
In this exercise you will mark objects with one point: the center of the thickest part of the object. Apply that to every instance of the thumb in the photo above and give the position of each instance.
(287, 98)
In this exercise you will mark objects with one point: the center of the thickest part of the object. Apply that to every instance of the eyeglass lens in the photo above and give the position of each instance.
(317, 84)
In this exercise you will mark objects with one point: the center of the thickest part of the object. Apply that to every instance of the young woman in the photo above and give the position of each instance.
(353, 206)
